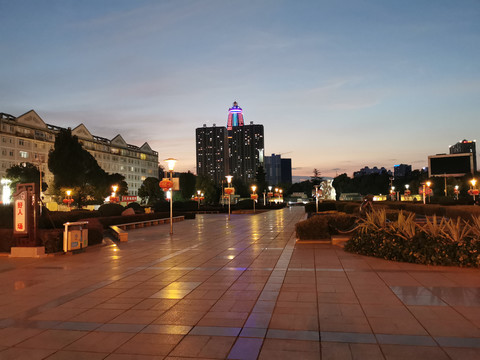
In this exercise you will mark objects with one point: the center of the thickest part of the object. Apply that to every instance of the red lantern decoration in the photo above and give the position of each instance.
(229, 190)
(407, 192)
(254, 196)
(473, 192)
(166, 184)
(270, 194)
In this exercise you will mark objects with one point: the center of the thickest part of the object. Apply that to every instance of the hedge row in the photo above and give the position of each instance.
(455, 211)
(322, 226)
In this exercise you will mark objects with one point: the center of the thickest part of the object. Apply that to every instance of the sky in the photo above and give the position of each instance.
(338, 85)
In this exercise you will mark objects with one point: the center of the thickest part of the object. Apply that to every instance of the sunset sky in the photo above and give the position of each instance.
(338, 85)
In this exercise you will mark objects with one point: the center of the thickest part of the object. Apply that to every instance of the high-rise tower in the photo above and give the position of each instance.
(235, 116)
(212, 152)
(236, 150)
(245, 144)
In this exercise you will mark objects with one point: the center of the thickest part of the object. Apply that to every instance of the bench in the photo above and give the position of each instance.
(122, 235)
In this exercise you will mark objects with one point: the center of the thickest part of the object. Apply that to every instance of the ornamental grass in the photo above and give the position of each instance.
(439, 241)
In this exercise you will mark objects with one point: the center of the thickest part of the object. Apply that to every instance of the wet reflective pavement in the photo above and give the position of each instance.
(238, 289)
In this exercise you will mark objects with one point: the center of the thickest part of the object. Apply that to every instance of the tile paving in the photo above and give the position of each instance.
(238, 289)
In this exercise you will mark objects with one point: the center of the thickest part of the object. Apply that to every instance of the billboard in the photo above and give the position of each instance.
(450, 165)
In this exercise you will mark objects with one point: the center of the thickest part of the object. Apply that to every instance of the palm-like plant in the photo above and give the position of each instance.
(456, 231)
(375, 220)
(405, 226)
(475, 225)
(434, 228)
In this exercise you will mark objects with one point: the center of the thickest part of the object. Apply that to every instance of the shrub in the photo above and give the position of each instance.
(51, 239)
(444, 242)
(322, 206)
(95, 231)
(189, 205)
(56, 219)
(244, 205)
(6, 239)
(322, 226)
(161, 205)
(136, 207)
(351, 208)
(6, 216)
(312, 229)
(111, 209)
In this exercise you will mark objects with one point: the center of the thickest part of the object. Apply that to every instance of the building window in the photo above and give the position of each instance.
(23, 154)
(21, 142)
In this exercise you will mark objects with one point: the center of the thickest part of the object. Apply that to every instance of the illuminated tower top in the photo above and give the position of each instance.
(235, 116)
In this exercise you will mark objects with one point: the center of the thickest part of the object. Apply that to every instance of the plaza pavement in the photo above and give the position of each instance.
(238, 289)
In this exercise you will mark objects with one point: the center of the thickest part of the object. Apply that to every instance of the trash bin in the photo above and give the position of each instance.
(75, 236)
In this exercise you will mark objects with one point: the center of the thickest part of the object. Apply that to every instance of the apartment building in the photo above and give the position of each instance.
(27, 138)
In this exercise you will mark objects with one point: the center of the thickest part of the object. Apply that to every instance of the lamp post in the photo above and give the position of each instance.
(6, 192)
(68, 199)
(280, 197)
(456, 191)
(269, 195)
(392, 193)
(229, 192)
(254, 196)
(473, 191)
(198, 193)
(113, 196)
(316, 198)
(407, 191)
(429, 190)
(171, 165)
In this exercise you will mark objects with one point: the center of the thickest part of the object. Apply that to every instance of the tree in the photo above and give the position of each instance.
(241, 188)
(342, 184)
(187, 184)
(260, 179)
(161, 171)
(151, 191)
(316, 178)
(75, 168)
(208, 187)
(24, 173)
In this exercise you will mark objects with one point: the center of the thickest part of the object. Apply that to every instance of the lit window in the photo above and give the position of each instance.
(23, 154)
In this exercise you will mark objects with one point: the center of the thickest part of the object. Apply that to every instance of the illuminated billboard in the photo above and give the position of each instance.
(450, 165)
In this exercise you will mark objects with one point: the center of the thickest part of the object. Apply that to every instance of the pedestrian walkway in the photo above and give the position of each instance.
(234, 289)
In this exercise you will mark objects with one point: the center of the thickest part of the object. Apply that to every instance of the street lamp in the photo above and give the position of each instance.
(254, 197)
(473, 191)
(229, 191)
(316, 198)
(426, 191)
(269, 195)
(198, 193)
(171, 165)
(68, 200)
(113, 196)
(6, 191)
(456, 191)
